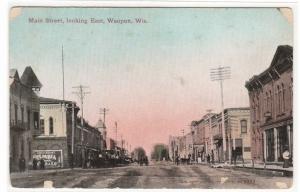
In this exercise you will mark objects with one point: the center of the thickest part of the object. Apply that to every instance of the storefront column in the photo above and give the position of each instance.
(275, 145)
(289, 138)
(265, 145)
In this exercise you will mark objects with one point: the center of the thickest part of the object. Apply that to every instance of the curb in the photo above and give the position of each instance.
(263, 171)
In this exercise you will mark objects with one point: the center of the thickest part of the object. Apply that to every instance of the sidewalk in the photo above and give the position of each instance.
(269, 167)
(29, 173)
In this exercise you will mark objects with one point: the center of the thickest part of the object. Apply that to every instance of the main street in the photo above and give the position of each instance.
(152, 176)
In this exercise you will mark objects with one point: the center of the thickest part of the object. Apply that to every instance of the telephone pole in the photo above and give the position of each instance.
(103, 111)
(220, 74)
(81, 94)
(116, 132)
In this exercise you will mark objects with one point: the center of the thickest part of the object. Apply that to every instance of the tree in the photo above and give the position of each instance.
(160, 152)
(138, 153)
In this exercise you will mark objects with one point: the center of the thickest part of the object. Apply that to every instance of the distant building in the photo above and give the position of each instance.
(237, 132)
(102, 128)
(54, 141)
(271, 102)
(24, 109)
(111, 144)
(203, 141)
(91, 143)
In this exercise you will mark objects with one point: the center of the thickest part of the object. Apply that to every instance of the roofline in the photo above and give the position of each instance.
(54, 101)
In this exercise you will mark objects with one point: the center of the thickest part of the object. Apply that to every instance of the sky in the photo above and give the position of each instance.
(153, 76)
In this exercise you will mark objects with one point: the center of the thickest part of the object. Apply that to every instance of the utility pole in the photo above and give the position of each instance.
(121, 141)
(220, 74)
(63, 71)
(63, 106)
(116, 131)
(104, 112)
(81, 94)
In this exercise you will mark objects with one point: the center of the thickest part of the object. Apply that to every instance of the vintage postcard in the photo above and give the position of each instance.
(151, 97)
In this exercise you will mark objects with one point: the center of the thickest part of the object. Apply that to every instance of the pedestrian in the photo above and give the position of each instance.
(208, 158)
(42, 164)
(22, 163)
(71, 161)
(286, 158)
(212, 157)
(34, 163)
(177, 160)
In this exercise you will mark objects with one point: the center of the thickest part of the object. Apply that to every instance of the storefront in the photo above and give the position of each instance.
(276, 141)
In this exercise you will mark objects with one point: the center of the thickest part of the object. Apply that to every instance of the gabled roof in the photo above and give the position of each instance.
(29, 78)
(13, 73)
(13, 76)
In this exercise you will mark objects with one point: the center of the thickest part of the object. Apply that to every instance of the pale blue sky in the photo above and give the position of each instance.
(154, 77)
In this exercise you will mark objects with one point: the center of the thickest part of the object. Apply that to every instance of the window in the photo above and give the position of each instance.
(278, 100)
(283, 97)
(28, 119)
(243, 126)
(22, 115)
(22, 147)
(16, 113)
(50, 125)
(42, 125)
(36, 120)
(271, 102)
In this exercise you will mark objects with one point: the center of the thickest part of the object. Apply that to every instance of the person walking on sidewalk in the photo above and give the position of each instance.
(286, 158)
(34, 163)
(208, 158)
(42, 164)
(22, 164)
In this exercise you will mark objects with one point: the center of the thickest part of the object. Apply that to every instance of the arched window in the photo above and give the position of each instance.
(291, 93)
(271, 102)
(283, 97)
(278, 100)
(243, 126)
(50, 125)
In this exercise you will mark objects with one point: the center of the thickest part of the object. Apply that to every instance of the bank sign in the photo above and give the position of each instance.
(52, 158)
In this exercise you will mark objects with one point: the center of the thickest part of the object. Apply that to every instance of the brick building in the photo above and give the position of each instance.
(24, 114)
(271, 102)
(91, 144)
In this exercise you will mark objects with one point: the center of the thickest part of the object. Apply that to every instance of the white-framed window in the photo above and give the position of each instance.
(243, 126)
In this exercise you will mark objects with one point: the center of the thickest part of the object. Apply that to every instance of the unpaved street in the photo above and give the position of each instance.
(153, 176)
